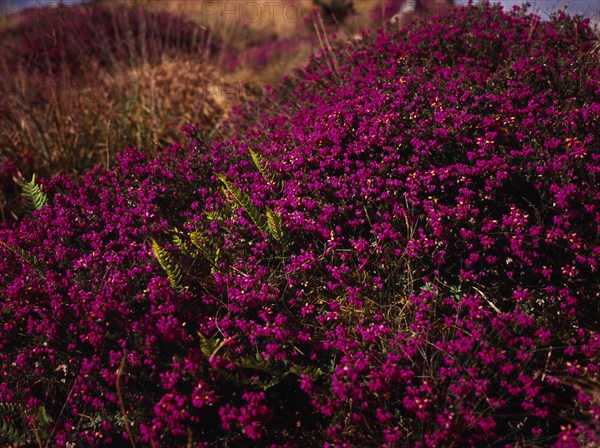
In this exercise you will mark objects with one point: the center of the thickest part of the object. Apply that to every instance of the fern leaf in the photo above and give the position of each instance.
(168, 264)
(312, 371)
(236, 379)
(256, 363)
(213, 216)
(244, 201)
(275, 380)
(28, 258)
(207, 345)
(263, 167)
(34, 194)
(12, 429)
(42, 419)
(274, 224)
(182, 245)
(211, 346)
(274, 374)
(197, 240)
(224, 191)
(201, 243)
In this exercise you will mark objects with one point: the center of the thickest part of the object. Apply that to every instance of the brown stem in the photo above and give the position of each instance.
(120, 397)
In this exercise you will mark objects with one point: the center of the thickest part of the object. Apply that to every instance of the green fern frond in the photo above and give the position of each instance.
(197, 239)
(209, 346)
(238, 380)
(253, 382)
(224, 191)
(34, 194)
(28, 258)
(43, 420)
(9, 410)
(312, 371)
(263, 167)
(180, 244)
(271, 381)
(168, 264)
(244, 201)
(256, 363)
(274, 373)
(274, 224)
(261, 164)
(201, 243)
(12, 428)
(214, 216)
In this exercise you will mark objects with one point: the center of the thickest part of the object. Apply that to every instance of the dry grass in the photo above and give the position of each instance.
(260, 16)
(73, 127)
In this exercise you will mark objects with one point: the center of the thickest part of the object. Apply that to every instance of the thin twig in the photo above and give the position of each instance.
(328, 53)
(61, 413)
(120, 397)
(546, 365)
(219, 347)
(34, 429)
(487, 300)
(37, 435)
(190, 441)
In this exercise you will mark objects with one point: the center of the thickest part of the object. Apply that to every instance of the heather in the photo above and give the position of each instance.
(397, 247)
(67, 41)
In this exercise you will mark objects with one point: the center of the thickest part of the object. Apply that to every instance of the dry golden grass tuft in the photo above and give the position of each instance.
(163, 97)
(70, 128)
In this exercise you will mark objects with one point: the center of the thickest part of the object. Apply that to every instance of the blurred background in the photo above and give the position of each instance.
(588, 8)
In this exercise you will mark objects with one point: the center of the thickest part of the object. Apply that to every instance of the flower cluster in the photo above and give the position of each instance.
(400, 250)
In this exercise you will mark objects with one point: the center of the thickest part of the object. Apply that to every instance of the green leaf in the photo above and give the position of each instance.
(311, 371)
(274, 374)
(201, 243)
(208, 346)
(168, 264)
(256, 363)
(244, 201)
(213, 216)
(274, 224)
(12, 427)
(34, 194)
(43, 419)
(263, 167)
(28, 258)
(180, 244)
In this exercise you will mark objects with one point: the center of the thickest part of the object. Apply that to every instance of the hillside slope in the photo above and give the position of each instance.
(399, 247)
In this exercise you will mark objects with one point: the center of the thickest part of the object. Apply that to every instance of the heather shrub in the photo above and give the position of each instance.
(400, 250)
(74, 41)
